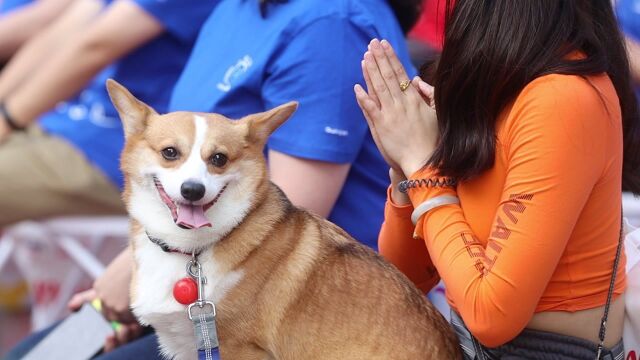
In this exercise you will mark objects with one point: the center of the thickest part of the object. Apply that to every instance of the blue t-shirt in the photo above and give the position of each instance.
(9, 5)
(628, 13)
(309, 51)
(91, 123)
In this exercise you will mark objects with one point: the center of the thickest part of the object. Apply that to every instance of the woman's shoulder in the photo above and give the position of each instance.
(569, 106)
(570, 91)
(571, 96)
(563, 87)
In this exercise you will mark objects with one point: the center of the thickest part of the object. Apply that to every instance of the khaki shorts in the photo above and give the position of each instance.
(43, 176)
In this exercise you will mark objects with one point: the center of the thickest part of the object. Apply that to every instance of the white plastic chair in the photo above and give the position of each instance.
(631, 208)
(80, 238)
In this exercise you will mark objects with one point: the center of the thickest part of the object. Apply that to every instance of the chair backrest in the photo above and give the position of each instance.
(104, 226)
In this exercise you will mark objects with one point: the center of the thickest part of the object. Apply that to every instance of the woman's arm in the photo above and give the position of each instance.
(633, 49)
(123, 27)
(20, 25)
(40, 48)
(396, 241)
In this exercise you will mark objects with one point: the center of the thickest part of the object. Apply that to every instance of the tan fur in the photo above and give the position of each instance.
(309, 291)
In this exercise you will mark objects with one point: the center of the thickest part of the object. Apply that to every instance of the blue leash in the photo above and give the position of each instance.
(209, 354)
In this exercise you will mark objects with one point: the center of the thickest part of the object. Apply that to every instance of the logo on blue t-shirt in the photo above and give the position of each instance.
(89, 106)
(234, 72)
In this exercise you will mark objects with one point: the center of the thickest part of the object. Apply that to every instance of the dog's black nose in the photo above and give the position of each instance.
(192, 191)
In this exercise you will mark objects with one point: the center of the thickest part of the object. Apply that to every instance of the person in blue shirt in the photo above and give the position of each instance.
(323, 158)
(151, 39)
(628, 13)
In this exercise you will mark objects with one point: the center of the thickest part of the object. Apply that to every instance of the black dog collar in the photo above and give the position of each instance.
(168, 249)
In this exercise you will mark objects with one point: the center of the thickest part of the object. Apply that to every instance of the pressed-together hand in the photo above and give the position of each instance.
(400, 114)
(112, 288)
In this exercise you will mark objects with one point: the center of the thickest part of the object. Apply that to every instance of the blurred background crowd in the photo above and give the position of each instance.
(61, 217)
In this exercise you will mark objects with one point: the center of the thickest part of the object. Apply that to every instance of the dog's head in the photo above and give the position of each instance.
(192, 177)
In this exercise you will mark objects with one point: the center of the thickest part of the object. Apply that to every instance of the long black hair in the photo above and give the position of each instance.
(407, 11)
(494, 48)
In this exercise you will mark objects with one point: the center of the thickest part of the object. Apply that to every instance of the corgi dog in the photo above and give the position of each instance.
(286, 284)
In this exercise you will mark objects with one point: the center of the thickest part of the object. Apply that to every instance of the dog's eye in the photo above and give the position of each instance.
(170, 153)
(219, 160)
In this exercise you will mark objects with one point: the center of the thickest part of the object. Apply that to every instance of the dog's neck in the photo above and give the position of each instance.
(271, 208)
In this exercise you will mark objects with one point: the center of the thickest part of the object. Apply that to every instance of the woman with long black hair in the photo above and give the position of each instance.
(514, 183)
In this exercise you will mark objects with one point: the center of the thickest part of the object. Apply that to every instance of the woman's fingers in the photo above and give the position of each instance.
(367, 80)
(377, 82)
(425, 90)
(385, 69)
(369, 107)
(364, 101)
(394, 62)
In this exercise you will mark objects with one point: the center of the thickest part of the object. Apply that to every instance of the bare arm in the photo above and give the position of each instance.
(633, 49)
(313, 185)
(119, 30)
(40, 48)
(20, 25)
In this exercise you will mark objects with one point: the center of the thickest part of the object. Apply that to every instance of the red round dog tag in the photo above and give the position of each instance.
(185, 291)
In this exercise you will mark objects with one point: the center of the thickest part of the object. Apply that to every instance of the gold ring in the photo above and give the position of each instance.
(405, 85)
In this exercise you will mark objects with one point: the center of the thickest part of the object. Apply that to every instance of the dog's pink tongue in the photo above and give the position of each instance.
(191, 216)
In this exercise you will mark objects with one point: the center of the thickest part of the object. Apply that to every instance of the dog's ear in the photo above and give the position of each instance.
(133, 112)
(261, 125)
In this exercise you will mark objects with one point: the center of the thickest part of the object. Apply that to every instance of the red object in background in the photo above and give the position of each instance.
(46, 292)
(185, 291)
(430, 27)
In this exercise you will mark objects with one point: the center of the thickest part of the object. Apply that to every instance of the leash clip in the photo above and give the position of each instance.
(201, 305)
(201, 280)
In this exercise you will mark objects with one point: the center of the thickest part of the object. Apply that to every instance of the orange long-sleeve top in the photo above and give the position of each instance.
(539, 230)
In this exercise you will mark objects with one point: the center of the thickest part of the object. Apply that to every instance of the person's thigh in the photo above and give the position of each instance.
(28, 343)
(43, 176)
(145, 347)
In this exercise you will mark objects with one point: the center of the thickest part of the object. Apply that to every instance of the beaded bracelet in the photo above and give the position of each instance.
(405, 185)
(9, 119)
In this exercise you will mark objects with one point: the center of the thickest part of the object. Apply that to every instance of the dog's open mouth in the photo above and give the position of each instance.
(187, 216)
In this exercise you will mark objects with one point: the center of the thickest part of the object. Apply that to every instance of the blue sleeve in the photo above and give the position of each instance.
(318, 67)
(181, 18)
(628, 12)
(7, 6)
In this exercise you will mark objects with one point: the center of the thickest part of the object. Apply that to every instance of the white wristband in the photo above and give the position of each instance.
(432, 204)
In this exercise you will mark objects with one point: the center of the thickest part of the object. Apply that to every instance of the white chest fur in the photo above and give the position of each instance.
(154, 304)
